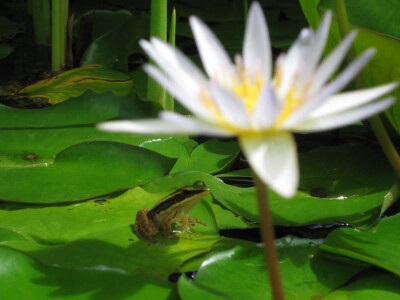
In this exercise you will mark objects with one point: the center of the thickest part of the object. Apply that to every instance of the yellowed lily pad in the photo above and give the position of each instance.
(75, 82)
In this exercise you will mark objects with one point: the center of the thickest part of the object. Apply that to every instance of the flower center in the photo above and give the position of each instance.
(248, 90)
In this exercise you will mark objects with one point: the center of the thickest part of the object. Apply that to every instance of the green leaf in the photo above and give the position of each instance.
(89, 108)
(32, 147)
(302, 210)
(9, 29)
(212, 156)
(380, 70)
(113, 48)
(346, 170)
(382, 286)
(106, 20)
(75, 82)
(371, 15)
(100, 233)
(379, 245)
(82, 171)
(240, 273)
(5, 50)
(338, 184)
(24, 278)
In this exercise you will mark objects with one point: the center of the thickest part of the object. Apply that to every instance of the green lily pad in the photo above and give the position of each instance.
(346, 170)
(372, 15)
(30, 147)
(380, 70)
(106, 20)
(305, 273)
(9, 29)
(75, 82)
(212, 156)
(5, 50)
(70, 235)
(379, 245)
(113, 48)
(382, 286)
(89, 108)
(80, 172)
(301, 210)
(25, 278)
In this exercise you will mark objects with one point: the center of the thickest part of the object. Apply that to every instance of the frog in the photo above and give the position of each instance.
(171, 209)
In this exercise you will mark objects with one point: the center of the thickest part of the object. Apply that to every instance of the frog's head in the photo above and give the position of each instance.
(199, 186)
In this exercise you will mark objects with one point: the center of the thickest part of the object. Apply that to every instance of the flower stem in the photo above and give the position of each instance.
(158, 28)
(169, 99)
(267, 235)
(375, 121)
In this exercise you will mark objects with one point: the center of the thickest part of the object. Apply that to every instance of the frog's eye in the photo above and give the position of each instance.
(199, 185)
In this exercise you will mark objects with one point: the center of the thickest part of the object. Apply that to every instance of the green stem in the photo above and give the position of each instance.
(375, 121)
(169, 99)
(158, 28)
(63, 30)
(245, 10)
(268, 237)
(59, 16)
(41, 21)
(55, 35)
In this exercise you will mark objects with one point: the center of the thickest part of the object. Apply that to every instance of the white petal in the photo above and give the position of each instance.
(345, 101)
(257, 47)
(292, 64)
(331, 63)
(176, 65)
(231, 108)
(345, 118)
(266, 108)
(215, 60)
(154, 126)
(274, 159)
(340, 82)
(191, 101)
(316, 49)
(182, 68)
(192, 123)
(347, 74)
(170, 123)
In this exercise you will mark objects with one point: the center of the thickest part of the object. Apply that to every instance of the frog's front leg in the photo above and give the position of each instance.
(186, 220)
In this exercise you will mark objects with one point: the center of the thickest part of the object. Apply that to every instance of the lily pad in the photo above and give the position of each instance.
(379, 245)
(212, 156)
(382, 286)
(5, 50)
(100, 233)
(380, 70)
(304, 273)
(75, 82)
(113, 48)
(346, 170)
(302, 210)
(30, 147)
(9, 29)
(89, 108)
(25, 278)
(80, 172)
(106, 20)
(372, 15)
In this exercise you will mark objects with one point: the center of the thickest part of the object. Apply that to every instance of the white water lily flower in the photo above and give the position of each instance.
(262, 108)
